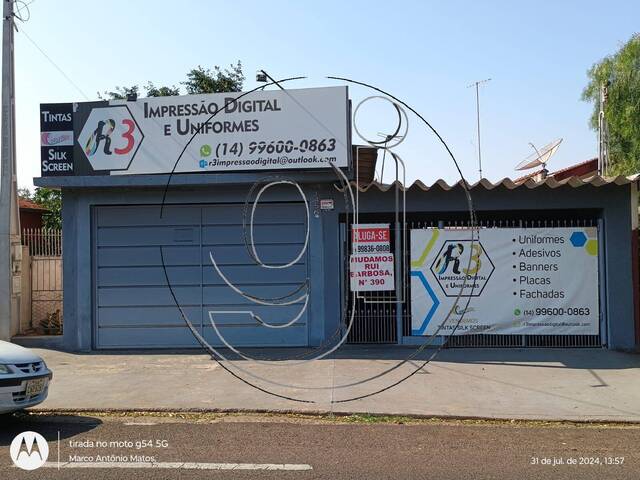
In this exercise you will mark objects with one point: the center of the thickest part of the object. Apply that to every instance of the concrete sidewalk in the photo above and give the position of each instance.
(588, 384)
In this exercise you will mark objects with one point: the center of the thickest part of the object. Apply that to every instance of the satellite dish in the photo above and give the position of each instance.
(539, 157)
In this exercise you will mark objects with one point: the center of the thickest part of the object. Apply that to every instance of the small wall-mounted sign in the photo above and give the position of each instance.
(326, 204)
(371, 263)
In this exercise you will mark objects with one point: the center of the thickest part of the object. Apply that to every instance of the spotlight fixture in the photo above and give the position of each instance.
(261, 76)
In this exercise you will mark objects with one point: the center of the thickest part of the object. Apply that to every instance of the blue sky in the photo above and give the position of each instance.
(426, 53)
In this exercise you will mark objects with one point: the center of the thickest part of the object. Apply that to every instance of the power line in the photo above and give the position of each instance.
(53, 63)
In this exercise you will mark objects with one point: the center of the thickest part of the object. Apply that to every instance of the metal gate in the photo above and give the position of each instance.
(375, 322)
(45, 252)
(375, 312)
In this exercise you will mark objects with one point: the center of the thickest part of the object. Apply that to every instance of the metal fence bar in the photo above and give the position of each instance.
(42, 241)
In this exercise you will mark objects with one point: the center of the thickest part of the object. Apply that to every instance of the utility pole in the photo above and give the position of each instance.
(603, 131)
(9, 222)
(477, 85)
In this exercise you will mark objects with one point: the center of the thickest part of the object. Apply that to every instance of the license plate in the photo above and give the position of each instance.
(35, 387)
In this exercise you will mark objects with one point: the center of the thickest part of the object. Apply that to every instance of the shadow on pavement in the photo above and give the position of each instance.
(46, 425)
(579, 358)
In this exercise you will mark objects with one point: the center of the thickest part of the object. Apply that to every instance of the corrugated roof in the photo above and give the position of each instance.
(574, 182)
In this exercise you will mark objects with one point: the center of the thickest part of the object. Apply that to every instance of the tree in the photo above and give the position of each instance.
(120, 93)
(621, 71)
(204, 80)
(153, 91)
(199, 80)
(49, 198)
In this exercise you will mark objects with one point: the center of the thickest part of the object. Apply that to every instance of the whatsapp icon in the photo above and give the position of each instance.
(205, 150)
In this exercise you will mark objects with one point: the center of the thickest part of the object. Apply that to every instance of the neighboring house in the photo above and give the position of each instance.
(30, 213)
(580, 170)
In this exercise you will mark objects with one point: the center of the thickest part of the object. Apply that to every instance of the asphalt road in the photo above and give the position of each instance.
(324, 449)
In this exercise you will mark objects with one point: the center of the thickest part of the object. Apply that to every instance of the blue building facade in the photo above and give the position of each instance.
(117, 235)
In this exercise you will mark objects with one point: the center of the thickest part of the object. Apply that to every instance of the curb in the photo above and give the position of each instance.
(342, 414)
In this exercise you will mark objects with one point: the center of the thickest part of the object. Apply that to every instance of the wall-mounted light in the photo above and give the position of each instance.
(261, 76)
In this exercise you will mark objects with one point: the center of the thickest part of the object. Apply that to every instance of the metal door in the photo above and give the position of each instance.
(133, 304)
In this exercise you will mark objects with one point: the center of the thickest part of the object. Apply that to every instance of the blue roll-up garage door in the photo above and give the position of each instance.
(133, 305)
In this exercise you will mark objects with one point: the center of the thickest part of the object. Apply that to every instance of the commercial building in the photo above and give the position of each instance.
(144, 248)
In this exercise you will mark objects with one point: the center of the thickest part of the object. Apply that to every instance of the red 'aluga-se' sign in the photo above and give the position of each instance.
(377, 234)
(370, 238)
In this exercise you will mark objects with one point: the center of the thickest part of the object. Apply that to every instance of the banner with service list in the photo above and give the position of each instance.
(536, 281)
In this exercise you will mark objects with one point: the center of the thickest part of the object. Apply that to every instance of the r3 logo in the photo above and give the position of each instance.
(451, 256)
(462, 262)
(100, 134)
(110, 138)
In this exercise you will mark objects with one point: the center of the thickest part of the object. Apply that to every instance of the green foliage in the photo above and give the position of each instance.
(49, 198)
(204, 80)
(199, 80)
(153, 91)
(120, 93)
(622, 111)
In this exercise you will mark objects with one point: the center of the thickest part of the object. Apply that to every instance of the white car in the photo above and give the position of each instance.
(24, 378)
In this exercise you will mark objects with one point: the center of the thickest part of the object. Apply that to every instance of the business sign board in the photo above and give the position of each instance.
(56, 139)
(371, 265)
(264, 130)
(534, 281)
